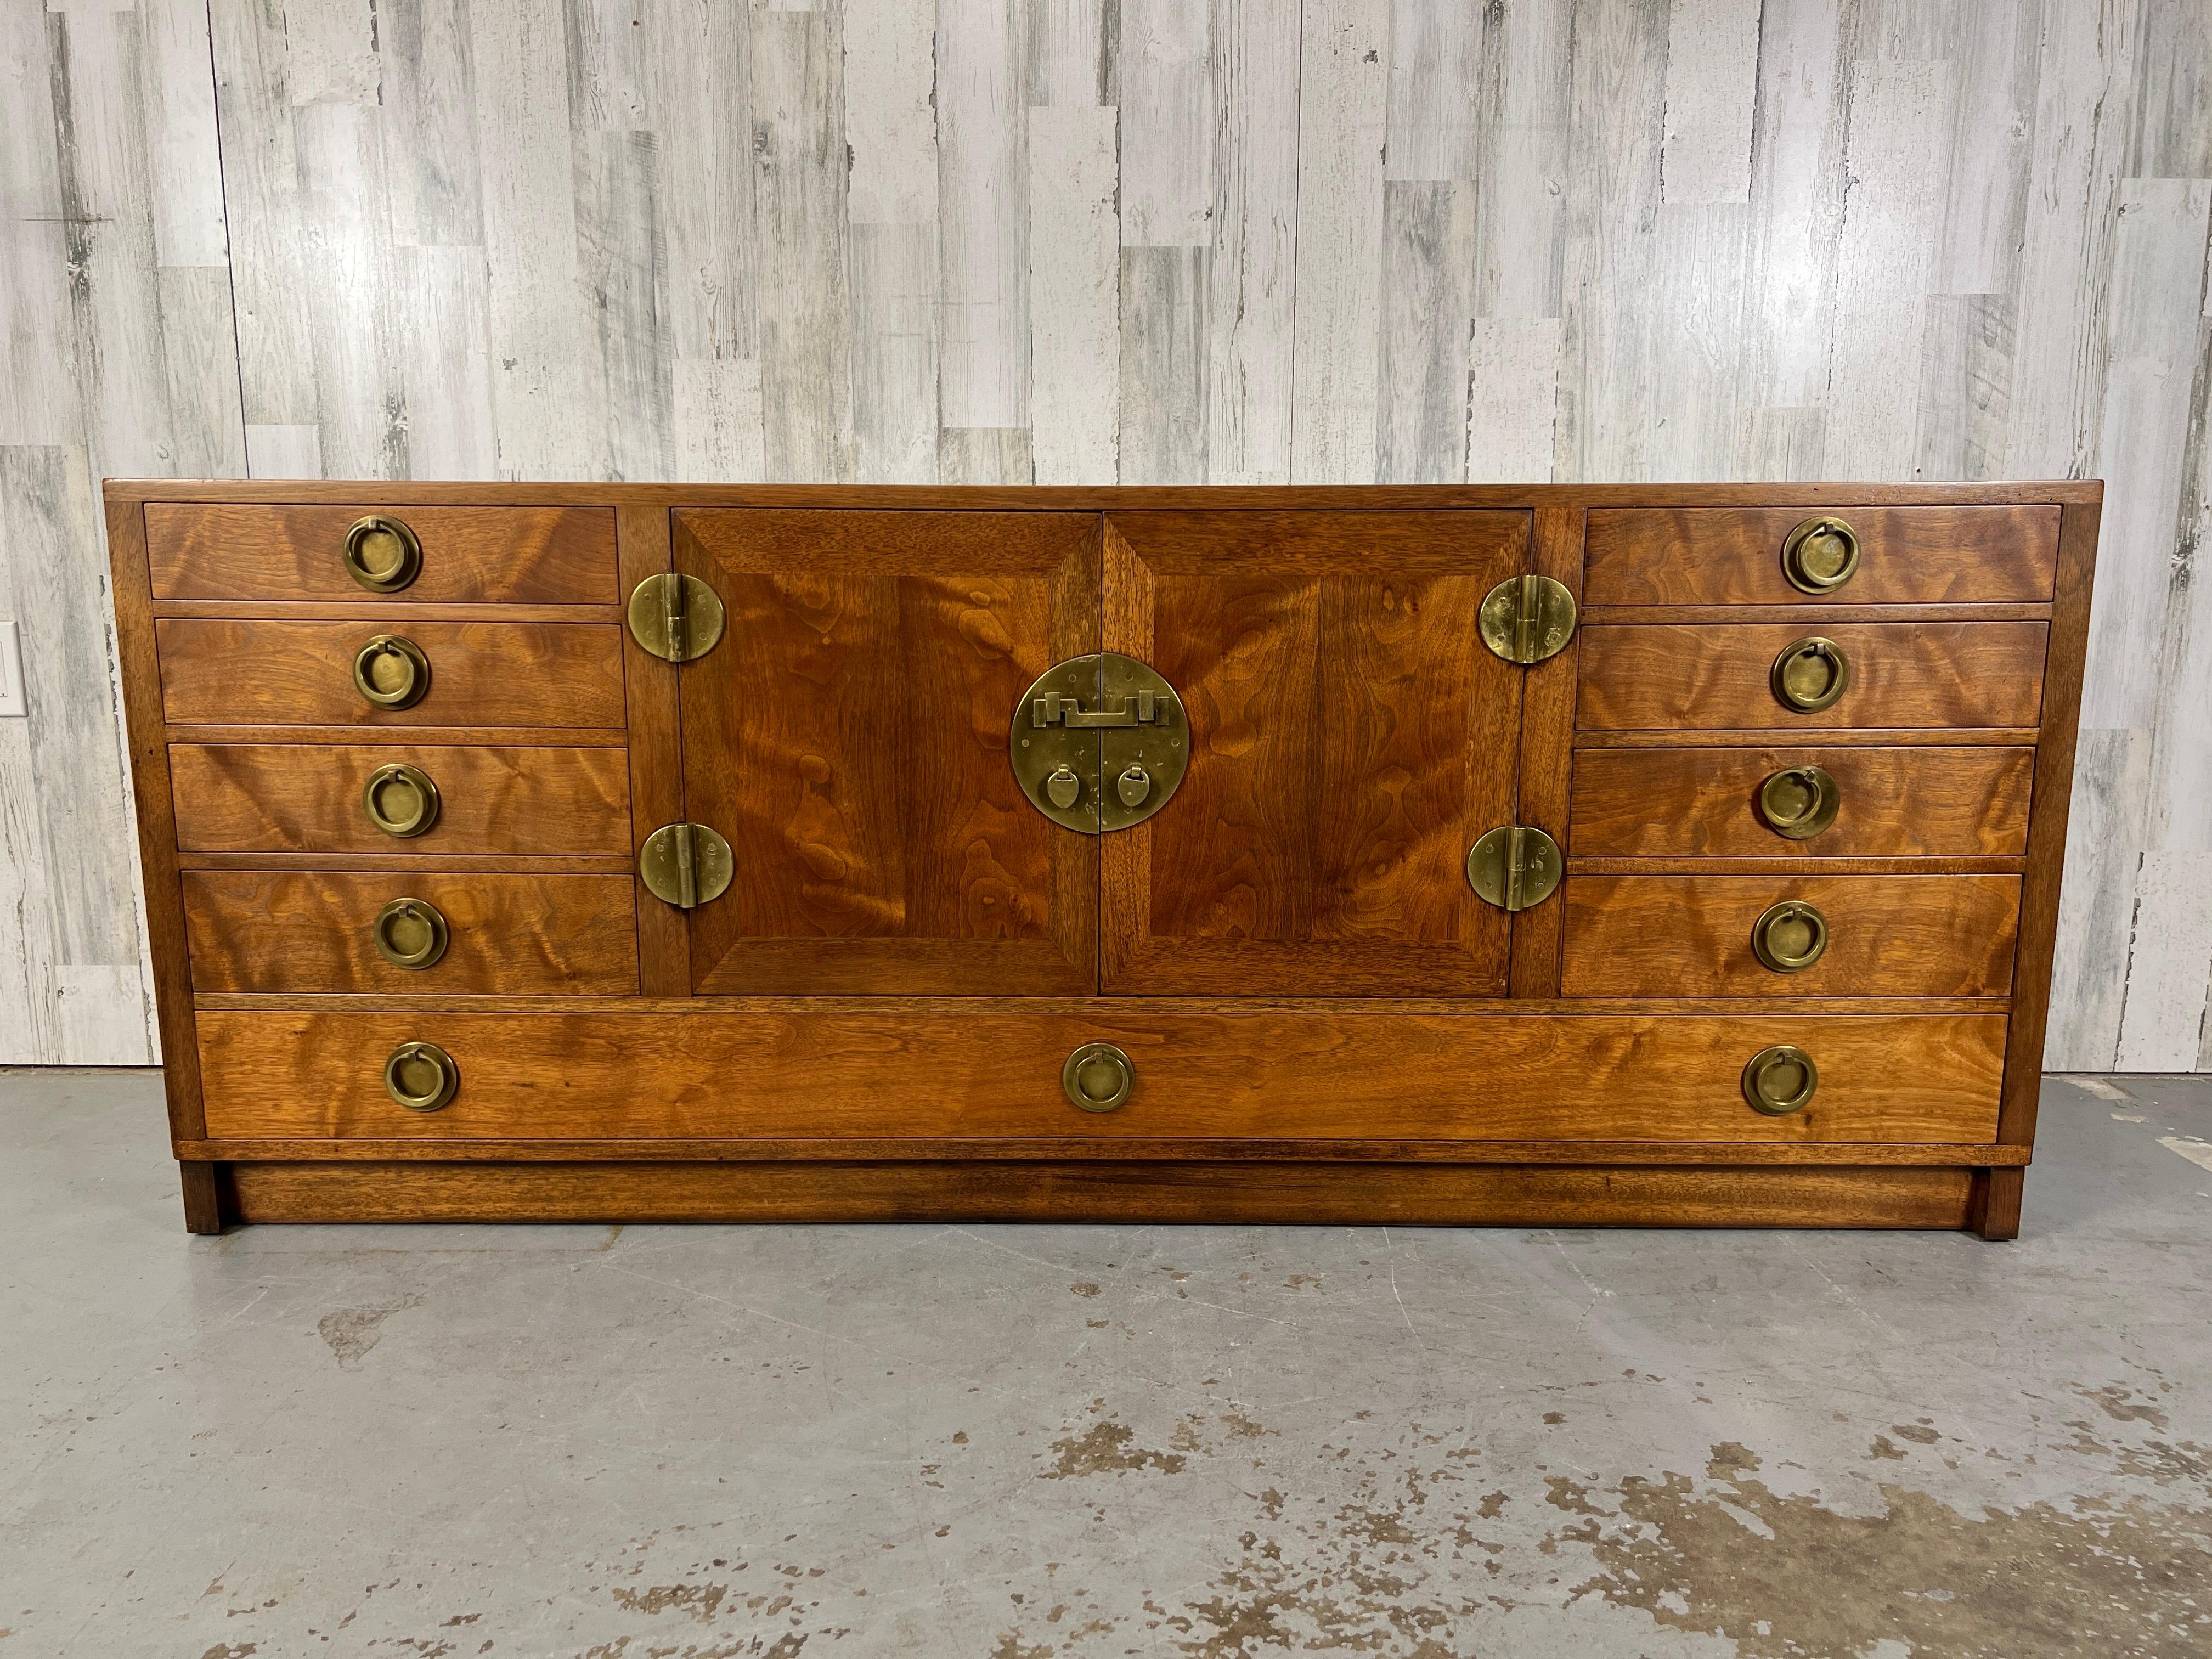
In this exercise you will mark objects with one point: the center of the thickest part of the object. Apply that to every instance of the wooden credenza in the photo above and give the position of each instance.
(1627, 856)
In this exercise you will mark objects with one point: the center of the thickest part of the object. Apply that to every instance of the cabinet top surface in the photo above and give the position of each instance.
(1100, 497)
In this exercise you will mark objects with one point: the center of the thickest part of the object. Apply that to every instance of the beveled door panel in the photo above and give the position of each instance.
(848, 737)
(1350, 738)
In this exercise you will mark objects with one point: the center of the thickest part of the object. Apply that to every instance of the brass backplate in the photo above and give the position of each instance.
(1525, 619)
(1780, 1080)
(678, 618)
(1099, 743)
(685, 865)
(401, 800)
(1515, 866)
(382, 554)
(1820, 555)
(1810, 675)
(1800, 802)
(1098, 1077)
(1790, 937)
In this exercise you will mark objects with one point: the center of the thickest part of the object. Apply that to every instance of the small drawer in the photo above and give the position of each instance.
(827, 1079)
(1894, 675)
(311, 932)
(1894, 555)
(420, 554)
(1769, 936)
(300, 798)
(261, 672)
(1800, 802)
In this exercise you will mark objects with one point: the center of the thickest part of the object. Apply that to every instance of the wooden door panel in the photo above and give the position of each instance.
(1350, 738)
(848, 736)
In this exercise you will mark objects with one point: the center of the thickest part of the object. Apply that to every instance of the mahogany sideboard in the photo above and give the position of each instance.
(1641, 855)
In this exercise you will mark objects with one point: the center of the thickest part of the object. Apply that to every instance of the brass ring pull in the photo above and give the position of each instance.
(1790, 937)
(1820, 555)
(1780, 1080)
(400, 801)
(1799, 802)
(1810, 674)
(1099, 1077)
(410, 933)
(391, 672)
(421, 1076)
(382, 554)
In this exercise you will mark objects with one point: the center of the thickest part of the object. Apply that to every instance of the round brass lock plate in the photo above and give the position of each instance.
(686, 865)
(401, 800)
(1514, 867)
(421, 1076)
(1799, 802)
(391, 672)
(1780, 1080)
(1810, 674)
(1525, 619)
(410, 933)
(1820, 555)
(1790, 937)
(1099, 1077)
(676, 618)
(382, 554)
(1099, 743)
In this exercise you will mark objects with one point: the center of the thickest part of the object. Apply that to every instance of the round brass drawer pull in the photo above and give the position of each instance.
(1810, 674)
(1098, 1077)
(1799, 802)
(382, 554)
(421, 1076)
(400, 801)
(1780, 1080)
(391, 672)
(1820, 555)
(410, 933)
(1790, 937)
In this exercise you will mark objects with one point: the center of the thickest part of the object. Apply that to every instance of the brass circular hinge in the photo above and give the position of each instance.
(1780, 1080)
(678, 618)
(1799, 802)
(685, 865)
(382, 554)
(1790, 937)
(1100, 743)
(1515, 866)
(1525, 619)
(410, 933)
(421, 1076)
(1820, 555)
(1099, 1077)
(401, 800)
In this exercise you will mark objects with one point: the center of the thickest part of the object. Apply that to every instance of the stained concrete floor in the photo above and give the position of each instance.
(1011, 1442)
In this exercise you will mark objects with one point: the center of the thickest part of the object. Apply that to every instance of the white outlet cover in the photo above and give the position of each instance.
(12, 702)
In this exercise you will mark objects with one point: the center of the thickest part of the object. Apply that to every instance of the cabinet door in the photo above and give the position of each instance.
(1350, 736)
(848, 737)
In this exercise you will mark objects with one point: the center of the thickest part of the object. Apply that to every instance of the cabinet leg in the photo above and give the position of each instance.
(1996, 1208)
(203, 1198)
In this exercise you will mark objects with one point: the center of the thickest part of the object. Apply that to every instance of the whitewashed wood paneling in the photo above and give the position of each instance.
(1100, 241)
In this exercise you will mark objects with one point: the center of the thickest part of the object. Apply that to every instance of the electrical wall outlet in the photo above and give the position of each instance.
(11, 671)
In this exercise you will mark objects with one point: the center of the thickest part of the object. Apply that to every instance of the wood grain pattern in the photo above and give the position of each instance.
(656, 754)
(849, 739)
(1907, 556)
(470, 554)
(511, 935)
(1547, 735)
(1900, 936)
(1350, 738)
(1903, 675)
(1896, 803)
(1883, 1078)
(301, 798)
(1194, 1194)
(482, 674)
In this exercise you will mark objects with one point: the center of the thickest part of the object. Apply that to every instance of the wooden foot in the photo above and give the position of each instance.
(203, 1197)
(1994, 1209)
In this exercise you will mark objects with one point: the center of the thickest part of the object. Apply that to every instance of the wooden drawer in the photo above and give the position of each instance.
(470, 555)
(1903, 676)
(1503, 1077)
(1888, 936)
(1907, 556)
(301, 798)
(1894, 803)
(310, 932)
(259, 672)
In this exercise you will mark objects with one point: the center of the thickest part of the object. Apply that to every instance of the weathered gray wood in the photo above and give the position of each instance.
(1075, 296)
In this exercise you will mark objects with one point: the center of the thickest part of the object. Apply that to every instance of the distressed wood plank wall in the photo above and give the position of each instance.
(1090, 240)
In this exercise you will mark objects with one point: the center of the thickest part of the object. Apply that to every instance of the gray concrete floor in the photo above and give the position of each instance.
(1012, 1442)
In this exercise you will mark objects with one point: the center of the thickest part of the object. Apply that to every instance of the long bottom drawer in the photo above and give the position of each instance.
(587, 1077)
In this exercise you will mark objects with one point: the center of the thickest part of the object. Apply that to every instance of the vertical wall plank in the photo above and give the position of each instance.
(1712, 61)
(891, 74)
(1428, 308)
(982, 135)
(1074, 294)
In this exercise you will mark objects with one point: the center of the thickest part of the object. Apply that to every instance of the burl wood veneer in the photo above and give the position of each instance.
(1755, 956)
